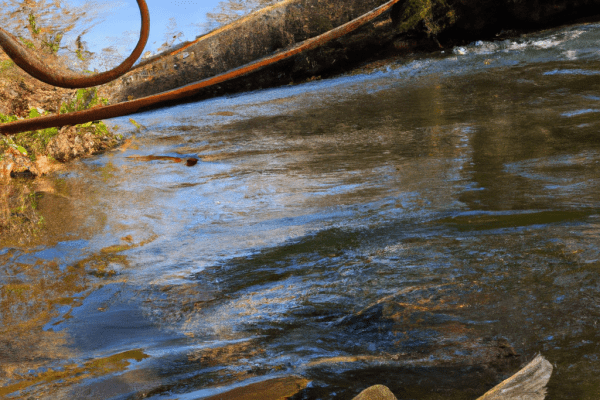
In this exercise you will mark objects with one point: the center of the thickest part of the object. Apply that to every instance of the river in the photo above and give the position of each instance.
(429, 224)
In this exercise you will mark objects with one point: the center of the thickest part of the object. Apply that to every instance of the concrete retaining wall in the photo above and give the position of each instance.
(246, 40)
(292, 21)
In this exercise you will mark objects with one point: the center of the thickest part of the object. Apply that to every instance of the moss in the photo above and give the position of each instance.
(6, 65)
(434, 15)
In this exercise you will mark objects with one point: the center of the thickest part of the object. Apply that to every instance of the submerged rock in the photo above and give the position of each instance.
(528, 383)
(272, 389)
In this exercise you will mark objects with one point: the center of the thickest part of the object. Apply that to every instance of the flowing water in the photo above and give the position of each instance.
(409, 225)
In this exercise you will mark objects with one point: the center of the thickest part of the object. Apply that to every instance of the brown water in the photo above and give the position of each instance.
(392, 226)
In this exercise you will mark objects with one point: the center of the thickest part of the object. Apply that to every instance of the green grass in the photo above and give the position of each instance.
(32, 143)
(6, 65)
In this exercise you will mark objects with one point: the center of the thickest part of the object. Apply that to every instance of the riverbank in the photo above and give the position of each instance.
(407, 28)
(43, 151)
(26, 158)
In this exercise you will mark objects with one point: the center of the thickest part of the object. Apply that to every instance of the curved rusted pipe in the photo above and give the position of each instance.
(17, 52)
(131, 107)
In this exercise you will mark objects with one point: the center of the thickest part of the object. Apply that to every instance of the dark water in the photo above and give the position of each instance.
(395, 226)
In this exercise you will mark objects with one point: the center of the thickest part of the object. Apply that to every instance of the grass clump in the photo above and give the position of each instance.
(32, 143)
(84, 99)
(6, 65)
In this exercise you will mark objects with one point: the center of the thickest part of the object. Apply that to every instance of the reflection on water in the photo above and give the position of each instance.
(429, 226)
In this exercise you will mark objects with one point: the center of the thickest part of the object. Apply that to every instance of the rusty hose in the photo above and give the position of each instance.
(131, 107)
(17, 52)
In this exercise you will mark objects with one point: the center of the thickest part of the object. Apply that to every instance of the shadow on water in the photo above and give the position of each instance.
(430, 226)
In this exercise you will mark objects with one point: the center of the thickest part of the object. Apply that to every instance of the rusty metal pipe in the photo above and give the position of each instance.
(20, 55)
(131, 107)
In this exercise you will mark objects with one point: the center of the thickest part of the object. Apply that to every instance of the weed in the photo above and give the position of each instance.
(6, 64)
(84, 99)
(28, 43)
(34, 142)
(7, 118)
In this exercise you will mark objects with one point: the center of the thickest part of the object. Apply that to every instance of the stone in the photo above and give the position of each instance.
(14, 163)
(68, 144)
(45, 166)
(6, 165)
(62, 147)
(376, 392)
(272, 389)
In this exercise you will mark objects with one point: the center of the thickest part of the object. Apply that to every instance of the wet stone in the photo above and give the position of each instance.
(14, 163)
(376, 392)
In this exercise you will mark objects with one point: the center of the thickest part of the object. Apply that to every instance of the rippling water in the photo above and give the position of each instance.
(402, 226)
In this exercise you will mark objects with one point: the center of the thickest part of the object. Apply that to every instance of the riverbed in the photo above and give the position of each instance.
(429, 224)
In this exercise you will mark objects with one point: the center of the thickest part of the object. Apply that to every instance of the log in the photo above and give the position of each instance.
(527, 384)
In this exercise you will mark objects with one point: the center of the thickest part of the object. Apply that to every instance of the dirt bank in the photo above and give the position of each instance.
(31, 154)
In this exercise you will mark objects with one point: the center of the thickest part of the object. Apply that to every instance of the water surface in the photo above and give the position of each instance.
(402, 226)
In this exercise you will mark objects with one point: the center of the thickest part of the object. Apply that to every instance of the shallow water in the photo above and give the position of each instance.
(389, 226)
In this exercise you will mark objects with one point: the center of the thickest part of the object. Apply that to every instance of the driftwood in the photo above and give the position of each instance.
(527, 384)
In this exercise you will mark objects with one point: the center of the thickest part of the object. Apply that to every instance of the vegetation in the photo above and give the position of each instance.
(430, 15)
(43, 25)
(230, 10)
(6, 64)
(34, 143)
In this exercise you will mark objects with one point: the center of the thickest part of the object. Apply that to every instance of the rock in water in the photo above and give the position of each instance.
(272, 389)
(376, 392)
